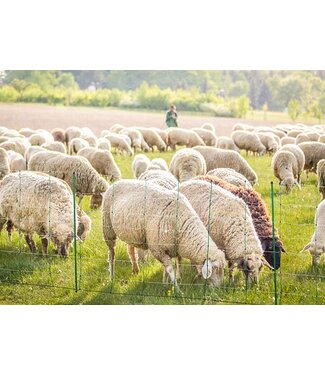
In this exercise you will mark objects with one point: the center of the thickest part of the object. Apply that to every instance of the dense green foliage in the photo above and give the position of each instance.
(34, 279)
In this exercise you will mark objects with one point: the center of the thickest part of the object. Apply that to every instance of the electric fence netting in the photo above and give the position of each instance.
(33, 253)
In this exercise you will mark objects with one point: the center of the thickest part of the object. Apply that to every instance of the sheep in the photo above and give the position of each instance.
(33, 215)
(226, 143)
(288, 140)
(321, 177)
(302, 138)
(277, 132)
(312, 136)
(231, 176)
(116, 128)
(77, 144)
(31, 151)
(16, 161)
(230, 227)
(152, 138)
(72, 132)
(285, 168)
(208, 126)
(163, 134)
(59, 135)
(38, 139)
(162, 178)
(300, 157)
(90, 138)
(17, 145)
(26, 132)
(104, 144)
(260, 216)
(216, 158)
(140, 164)
(245, 140)
(55, 146)
(208, 137)
(314, 152)
(4, 163)
(12, 133)
(135, 136)
(316, 246)
(183, 137)
(294, 132)
(102, 161)
(269, 141)
(239, 126)
(186, 164)
(155, 226)
(119, 142)
(159, 163)
(88, 180)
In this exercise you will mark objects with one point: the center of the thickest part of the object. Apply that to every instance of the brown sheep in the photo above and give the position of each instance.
(59, 135)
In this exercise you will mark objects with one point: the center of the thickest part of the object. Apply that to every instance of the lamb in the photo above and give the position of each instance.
(183, 137)
(77, 144)
(208, 137)
(104, 144)
(4, 163)
(102, 161)
(135, 136)
(269, 141)
(230, 227)
(231, 176)
(226, 143)
(316, 246)
(119, 142)
(140, 164)
(260, 216)
(285, 168)
(59, 135)
(248, 141)
(288, 140)
(16, 161)
(152, 138)
(155, 226)
(321, 177)
(159, 177)
(216, 158)
(72, 132)
(159, 163)
(55, 146)
(300, 157)
(33, 216)
(186, 164)
(314, 152)
(88, 180)
(208, 126)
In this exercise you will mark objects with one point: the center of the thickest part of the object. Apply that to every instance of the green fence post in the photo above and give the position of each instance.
(75, 233)
(273, 246)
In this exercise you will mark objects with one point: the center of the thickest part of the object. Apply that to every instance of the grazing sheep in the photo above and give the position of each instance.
(116, 128)
(39, 138)
(72, 132)
(155, 226)
(316, 246)
(208, 137)
(314, 152)
(19, 145)
(160, 177)
(208, 126)
(302, 138)
(260, 216)
(294, 132)
(321, 177)
(239, 126)
(158, 163)
(152, 138)
(216, 158)
(4, 163)
(226, 143)
(37, 191)
(269, 141)
(58, 135)
(102, 161)
(186, 164)
(135, 136)
(55, 146)
(31, 151)
(16, 161)
(119, 142)
(77, 144)
(300, 157)
(140, 164)
(248, 141)
(288, 141)
(231, 176)
(90, 138)
(285, 168)
(183, 137)
(88, 180)
(163, 134)
(230, 226)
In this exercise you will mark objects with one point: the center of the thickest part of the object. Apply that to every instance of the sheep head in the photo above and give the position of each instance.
(251, 265)
(315, 251)
(267, 246)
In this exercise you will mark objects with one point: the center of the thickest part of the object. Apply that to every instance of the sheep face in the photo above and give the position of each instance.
(289, 183)
(267, 246)
(63, 246)
(315, 251)
(251, 266)
(96, 201)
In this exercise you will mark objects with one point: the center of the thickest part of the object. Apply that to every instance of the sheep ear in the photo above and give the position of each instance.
(267, 264)
(207, 269)
(307, 247)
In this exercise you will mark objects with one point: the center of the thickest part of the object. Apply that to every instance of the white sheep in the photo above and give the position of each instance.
(4, 163)
(321, 177)
(183, 137)
(302, 137)
(300, 157)
(55, 146)
(288, 141)
(158, 163)
(19, 145)
(140, 164)
(285, 168)
(162, 178)
(248, 141)
(270, 141)
(217, 158)
(187, 164)
(231, 176)
(77, 144)
(104, 144)
(208, 126)
(144, 216)
(120, 142)
(16, 161)
(116, 128)
(314, 152)
(226, 143)
(208, 137)
(136, 138)
(38, 139)
(72, 132)
(31, 151)
(152, 138)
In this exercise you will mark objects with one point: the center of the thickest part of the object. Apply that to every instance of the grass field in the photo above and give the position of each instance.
(34, 279)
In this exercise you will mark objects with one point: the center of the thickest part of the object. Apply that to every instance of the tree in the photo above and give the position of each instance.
(242, 106)
(20, 86)
(294, 109)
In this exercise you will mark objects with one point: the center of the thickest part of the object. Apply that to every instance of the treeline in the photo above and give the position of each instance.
(228, 93)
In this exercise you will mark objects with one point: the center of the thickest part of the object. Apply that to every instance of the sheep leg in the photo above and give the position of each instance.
(45, 243)
(30, 243)
(169, 270)
(111, 257)
(133, 258)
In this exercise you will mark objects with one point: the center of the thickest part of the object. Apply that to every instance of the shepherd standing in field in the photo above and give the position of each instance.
(171, 117)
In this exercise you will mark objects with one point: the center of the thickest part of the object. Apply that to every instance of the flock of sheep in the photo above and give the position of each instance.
(201, 207)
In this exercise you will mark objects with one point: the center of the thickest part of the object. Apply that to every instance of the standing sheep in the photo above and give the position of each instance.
(55, 146)
(248, 141)
(16, 161)
(183, 137)
(208, 126)
(321, 177)
(72, 132)
(231, 176)
(300, 157)
(119, 142)
(288, 141)
(155, 226)
(104, 144)
(226, 143)
(269, 141)
(160, 177)
(58, 135)
(135, 136)
(140, 164)
(153, 139)
(285, 168)
(77, 144)
(208, 137)
(186, 164)
(314, 152)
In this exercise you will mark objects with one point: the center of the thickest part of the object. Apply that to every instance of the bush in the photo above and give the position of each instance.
(80, 98)
(294, 109)
(33, 94)
(8, 94)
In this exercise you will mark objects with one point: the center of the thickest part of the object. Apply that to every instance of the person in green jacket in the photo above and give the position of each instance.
(171, 117)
